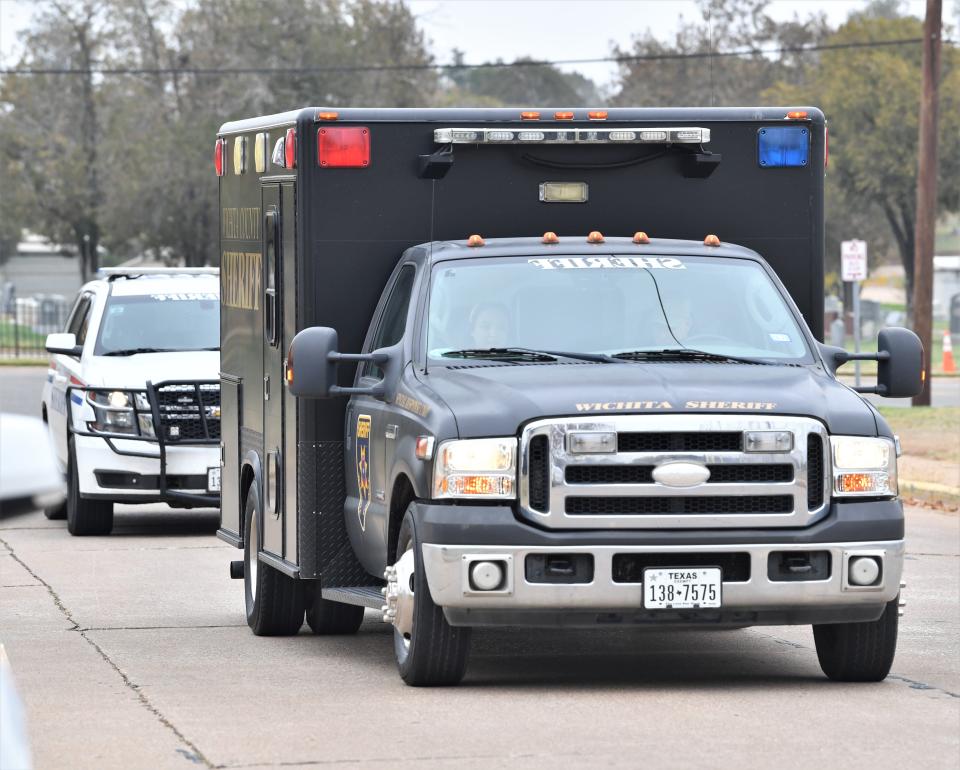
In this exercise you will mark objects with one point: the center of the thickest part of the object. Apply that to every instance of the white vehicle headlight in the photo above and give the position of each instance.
(863, 467)
(476, 469)
(114, 412)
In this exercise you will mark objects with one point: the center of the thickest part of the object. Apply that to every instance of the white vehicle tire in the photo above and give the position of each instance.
(84, 517)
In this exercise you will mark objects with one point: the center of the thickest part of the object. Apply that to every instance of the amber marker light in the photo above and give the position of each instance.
(797, 115)
(711, 240)
(563, 116)
(597, 115)
(475, 240)
(641, 237)
(595, 237)
(532, 115)
(551, 237)
(328, 115)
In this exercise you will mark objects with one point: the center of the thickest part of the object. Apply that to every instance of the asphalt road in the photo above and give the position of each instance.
(131, 651)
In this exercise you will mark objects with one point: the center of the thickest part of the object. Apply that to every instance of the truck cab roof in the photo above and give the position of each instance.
(439, 251)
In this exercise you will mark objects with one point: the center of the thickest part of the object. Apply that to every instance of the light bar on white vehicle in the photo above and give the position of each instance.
(674, 135)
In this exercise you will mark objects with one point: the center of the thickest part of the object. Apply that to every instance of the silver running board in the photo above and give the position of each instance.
(365, 596)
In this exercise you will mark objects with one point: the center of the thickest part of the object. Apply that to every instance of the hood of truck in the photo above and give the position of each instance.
(134, 371)
(495, 399)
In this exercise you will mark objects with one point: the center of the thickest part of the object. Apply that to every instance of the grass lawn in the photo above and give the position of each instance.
(932, 432)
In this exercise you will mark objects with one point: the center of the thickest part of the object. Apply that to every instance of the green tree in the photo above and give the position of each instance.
(524, 84)
(871, 97)
(686, 71)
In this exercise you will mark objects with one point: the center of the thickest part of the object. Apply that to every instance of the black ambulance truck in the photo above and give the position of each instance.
(487, 367)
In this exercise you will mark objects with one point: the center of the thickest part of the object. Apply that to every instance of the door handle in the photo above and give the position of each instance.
(391, 431)
(266, 387)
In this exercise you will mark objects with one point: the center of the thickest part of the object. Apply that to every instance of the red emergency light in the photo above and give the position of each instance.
(218, 157)
(343, 147)
(290, 148)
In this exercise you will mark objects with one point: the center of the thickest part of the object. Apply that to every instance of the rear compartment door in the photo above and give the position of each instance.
(273, 356)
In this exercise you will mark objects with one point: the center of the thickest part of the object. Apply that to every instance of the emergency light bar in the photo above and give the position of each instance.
(679, 135)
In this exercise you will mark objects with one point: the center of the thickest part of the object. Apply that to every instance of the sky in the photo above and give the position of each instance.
(542, 29)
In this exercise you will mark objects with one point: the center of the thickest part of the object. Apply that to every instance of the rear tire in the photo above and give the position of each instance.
(436, 652)
(84, 517)
(274, 601)
(859, 652)
(328, 618)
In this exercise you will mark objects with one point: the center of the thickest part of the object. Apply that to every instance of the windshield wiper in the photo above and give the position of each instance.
(135, 351)
(685, 354)
(526, 353)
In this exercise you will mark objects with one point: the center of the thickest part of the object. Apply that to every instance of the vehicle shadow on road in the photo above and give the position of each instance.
(614, 658)
(166, 523)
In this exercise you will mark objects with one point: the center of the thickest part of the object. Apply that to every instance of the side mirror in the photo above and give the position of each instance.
(63, 343)
(899, 363)
(311, 368)
(899, 360)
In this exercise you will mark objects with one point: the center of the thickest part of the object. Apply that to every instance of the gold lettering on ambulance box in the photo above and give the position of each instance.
(763, 406)
(240, 279)
(411, 404)
(623, 406)
(240, 224)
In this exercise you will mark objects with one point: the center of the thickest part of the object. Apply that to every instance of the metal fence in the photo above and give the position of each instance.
(25, 323)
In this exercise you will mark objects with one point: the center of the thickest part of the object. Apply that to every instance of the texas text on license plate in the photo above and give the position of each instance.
(213, 479)
(681, 588)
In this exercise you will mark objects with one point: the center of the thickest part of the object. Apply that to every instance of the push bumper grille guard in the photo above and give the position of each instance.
(201, 395)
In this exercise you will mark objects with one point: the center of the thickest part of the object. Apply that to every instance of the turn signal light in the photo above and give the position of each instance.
(529, 116)
(641, 237)
(597, 115)
(475, 240)
(595, 237)
(711, 240)
(563, 116)
(550, 237)
(343, 147)
(218, 157)
(290, 148)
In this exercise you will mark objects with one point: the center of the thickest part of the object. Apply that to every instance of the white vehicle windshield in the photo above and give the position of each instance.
(612, 306)
(153, 323)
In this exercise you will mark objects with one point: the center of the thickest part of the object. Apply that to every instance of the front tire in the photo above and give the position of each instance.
(84, 517)
(274, 601)
(859, 652)
(432, 653)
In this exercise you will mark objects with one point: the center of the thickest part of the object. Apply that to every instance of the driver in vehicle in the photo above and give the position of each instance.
(490, 325)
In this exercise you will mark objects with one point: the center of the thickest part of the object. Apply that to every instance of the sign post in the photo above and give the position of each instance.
(853, 268)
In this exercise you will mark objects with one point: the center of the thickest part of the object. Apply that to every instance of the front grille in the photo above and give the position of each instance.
(616, 489)
(814, 471)
(641, 506)
(721, 441)
(539, 473)
(629, 567)
(643, 474)
(189, 412)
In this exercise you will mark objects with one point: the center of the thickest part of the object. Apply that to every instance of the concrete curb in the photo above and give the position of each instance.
(930, 490)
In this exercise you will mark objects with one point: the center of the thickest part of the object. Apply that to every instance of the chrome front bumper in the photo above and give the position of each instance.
(757, 600)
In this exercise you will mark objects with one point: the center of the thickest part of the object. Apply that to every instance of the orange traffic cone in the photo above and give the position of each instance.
(949, 366)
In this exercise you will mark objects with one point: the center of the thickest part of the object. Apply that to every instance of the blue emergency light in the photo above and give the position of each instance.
(783, 147)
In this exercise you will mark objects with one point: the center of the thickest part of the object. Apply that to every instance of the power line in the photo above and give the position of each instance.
(448, 67)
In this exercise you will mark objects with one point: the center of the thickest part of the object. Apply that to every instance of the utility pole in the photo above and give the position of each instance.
(927, 192)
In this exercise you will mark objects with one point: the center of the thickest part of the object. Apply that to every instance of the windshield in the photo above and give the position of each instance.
(159, 322)
(610, 305)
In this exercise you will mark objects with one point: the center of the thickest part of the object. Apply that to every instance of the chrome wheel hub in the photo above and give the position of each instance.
(399, 596)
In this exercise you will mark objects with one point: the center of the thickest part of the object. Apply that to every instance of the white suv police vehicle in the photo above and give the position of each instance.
(132, 397)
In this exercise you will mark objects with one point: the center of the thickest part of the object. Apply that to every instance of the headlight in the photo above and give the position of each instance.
(476, 468)
(865, 467)
(114, 412)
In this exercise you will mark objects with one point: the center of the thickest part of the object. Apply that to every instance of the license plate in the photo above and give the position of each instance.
(681, 588)
(213, 479)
